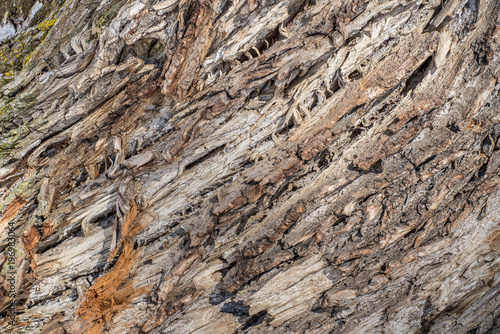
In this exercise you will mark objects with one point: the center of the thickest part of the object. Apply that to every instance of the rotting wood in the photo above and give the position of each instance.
(251, 167)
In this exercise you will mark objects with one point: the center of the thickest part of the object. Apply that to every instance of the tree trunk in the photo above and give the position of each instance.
(183, 166)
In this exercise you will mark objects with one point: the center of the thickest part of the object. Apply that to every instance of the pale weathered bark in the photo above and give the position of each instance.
(184, 166)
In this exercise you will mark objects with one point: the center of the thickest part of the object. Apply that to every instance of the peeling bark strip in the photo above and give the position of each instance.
(181, 166)
(108, 294)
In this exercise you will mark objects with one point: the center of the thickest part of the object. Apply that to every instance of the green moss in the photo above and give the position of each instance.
(105, 18)
(16, 53)
(91, 37)
(48, 11)
(13, 126)
(21, 189)
(17, 8)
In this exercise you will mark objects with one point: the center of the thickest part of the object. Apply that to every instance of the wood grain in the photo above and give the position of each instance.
(222, 166)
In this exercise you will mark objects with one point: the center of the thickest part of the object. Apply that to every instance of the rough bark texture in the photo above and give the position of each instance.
(187, 166)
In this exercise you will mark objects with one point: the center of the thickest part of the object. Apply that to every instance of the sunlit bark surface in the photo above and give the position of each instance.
(197, 166)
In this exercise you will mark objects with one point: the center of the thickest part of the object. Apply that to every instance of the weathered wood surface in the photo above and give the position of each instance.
(186, 166)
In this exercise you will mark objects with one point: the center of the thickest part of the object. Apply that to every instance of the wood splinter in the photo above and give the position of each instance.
(256, 51)
(283, 31)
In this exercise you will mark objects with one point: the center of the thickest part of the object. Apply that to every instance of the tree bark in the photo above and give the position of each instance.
(182, 166)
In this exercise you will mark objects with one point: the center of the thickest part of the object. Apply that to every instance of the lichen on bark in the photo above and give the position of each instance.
(251, 167)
